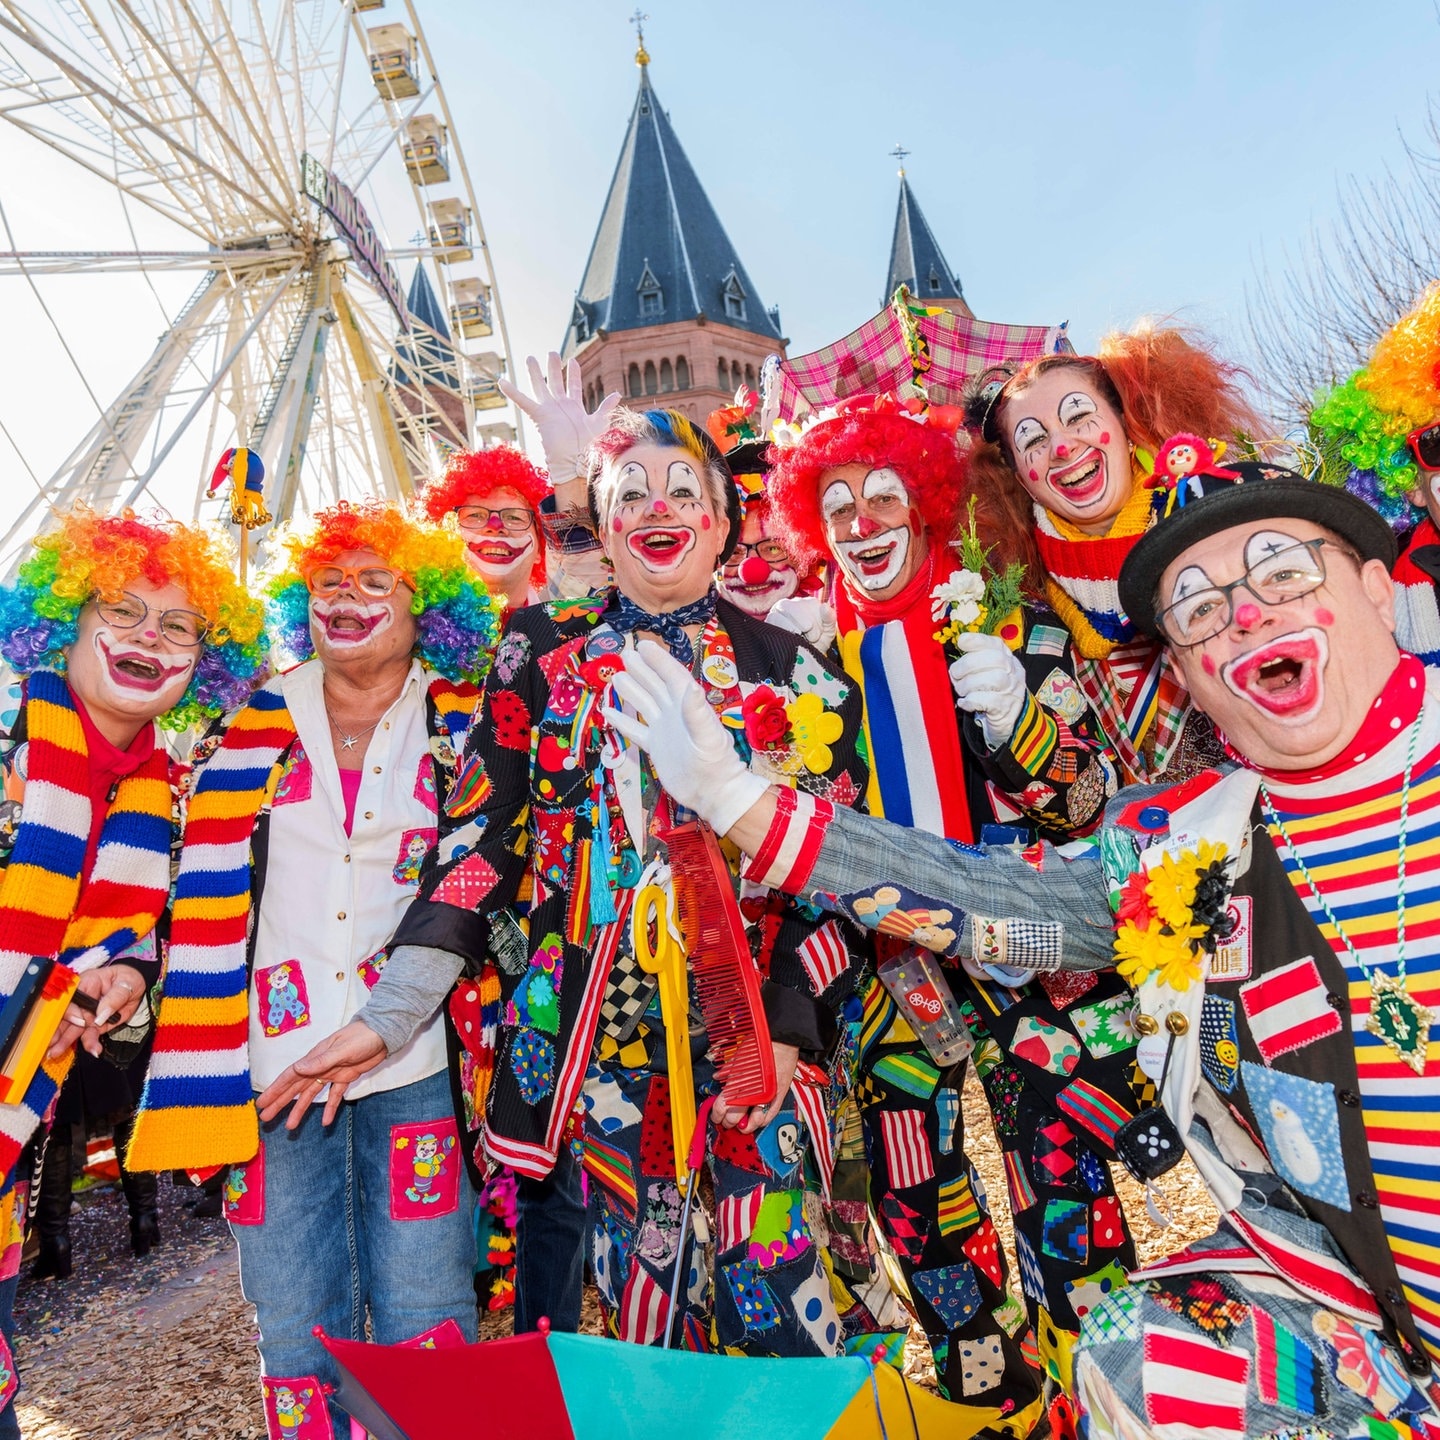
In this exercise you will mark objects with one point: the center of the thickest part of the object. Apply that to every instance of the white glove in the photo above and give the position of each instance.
(807, 616)
(688, 747)
(989, 682)
(558, 410)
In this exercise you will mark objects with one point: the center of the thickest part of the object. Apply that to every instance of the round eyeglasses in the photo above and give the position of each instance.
(373, 580)
(1286, 574)
(769, 550)
(180, 627)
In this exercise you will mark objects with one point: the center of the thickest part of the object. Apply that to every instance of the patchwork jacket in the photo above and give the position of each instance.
(535, 817)
(1216, 1058)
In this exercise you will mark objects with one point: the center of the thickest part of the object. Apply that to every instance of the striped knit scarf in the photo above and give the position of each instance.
(197, 1110)
(1417, 616)
(43, 909)
(1084, 572)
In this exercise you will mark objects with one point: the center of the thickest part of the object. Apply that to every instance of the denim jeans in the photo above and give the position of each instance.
(550, 1247)
(373, 1214)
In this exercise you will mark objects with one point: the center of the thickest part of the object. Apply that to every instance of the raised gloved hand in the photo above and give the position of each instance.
(807, 616)
(989, 682)
(688, 747)
(558, 410)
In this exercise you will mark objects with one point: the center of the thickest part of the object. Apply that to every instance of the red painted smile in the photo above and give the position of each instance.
(661, 547)
(1285, 677)
(1082, 482)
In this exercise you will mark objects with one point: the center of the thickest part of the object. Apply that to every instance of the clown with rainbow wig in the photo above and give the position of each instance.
(113, 626)
(1379, 437)
(313, 810)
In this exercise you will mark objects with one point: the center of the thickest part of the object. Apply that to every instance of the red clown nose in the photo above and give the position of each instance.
(754, 570)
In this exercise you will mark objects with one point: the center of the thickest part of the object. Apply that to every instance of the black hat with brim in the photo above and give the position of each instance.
(1249, 490)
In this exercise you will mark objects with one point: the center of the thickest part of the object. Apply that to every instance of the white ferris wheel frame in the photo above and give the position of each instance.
(205, 113)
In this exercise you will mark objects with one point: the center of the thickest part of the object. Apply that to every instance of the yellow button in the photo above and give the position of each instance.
(339, 974)
(369, 814)
(341, 915)
(347, 859)
(1147, 1025)
(377, 769)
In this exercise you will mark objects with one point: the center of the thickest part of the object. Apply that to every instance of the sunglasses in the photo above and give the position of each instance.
(372, 580)
(1424, 445)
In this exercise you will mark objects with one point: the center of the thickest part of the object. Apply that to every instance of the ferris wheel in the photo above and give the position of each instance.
(255, 127)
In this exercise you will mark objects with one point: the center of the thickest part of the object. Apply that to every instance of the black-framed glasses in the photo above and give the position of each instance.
(180, 627)
(771, 551)
(514, 518)
(1284, 575)
(1424, 445)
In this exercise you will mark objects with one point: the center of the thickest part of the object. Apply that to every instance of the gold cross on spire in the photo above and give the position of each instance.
(638, 19)
(900, 152)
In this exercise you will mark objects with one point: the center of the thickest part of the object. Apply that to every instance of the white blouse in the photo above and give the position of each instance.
(331, 902)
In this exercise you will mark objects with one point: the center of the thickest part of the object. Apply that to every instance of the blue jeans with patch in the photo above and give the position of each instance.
(372, 1215)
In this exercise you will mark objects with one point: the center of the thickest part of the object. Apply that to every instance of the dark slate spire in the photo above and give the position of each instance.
(435, 357)
(661, 253)
(915, 258)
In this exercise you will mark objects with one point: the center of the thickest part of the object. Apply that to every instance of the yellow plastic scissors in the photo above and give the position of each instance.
(666, 959)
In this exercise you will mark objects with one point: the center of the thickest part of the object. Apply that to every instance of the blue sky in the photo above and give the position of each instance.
(1090, 163)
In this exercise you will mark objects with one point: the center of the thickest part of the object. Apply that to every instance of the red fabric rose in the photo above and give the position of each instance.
(766, 723)
(1134, 902)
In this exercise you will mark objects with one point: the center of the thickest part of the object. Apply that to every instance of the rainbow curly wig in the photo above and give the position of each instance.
(481, 473)
(458, 619)
(873, 431)
(1360, 425)
(91, 554)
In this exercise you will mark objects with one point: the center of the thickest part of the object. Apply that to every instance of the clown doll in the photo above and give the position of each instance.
(1379, 436)
(877, 490)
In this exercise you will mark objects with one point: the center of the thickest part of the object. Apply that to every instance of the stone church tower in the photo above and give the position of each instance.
(666, 312)
(915, 258)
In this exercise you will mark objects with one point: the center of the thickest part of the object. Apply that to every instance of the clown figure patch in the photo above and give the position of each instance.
(424, 1170)
(281, 999)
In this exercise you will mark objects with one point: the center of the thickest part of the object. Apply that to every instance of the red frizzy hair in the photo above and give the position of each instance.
(480, 473)
(1161, 379)
(926, 458)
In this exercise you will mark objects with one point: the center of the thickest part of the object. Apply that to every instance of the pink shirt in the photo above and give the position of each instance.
(350, 790)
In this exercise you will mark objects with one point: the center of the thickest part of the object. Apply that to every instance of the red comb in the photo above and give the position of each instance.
(726, 981)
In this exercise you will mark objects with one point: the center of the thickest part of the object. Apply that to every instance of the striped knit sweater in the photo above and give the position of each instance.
(1345, 823)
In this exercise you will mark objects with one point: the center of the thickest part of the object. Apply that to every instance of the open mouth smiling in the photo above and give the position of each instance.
(140, 669)
(1284, 677)
(661, 547)
(497, 552)
(1083, 481)
(350, 624)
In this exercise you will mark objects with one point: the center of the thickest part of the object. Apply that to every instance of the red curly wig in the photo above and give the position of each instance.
(481, 473)
(924, 456)
(1160, 379)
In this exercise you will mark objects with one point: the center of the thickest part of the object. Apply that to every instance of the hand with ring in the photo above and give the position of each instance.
(117, 991)
(751, 1119)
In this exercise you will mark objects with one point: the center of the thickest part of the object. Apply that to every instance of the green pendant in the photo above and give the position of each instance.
(1400, 1020)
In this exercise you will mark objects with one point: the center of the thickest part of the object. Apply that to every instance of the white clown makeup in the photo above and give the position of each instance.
(134, 673)
(498, 554)
(874, 529)
(1069, 448)
(1287, 681)
(659, 525)
(759, 574)
(352, 626)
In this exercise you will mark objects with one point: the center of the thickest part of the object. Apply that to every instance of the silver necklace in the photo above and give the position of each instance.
(1396, 1017)
(347, 742)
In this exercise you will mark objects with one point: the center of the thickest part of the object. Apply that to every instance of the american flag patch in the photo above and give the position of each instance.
(1194, 1384)
(810, 1102)
(824, 956)
(1287, 1009)
(735, 1218)
(643, 1308)
(907, 1152)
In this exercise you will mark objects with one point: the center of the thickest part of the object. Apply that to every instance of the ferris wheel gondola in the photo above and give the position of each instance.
(255, 126)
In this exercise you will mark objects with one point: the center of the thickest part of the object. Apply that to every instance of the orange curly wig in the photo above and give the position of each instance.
(1161, 380)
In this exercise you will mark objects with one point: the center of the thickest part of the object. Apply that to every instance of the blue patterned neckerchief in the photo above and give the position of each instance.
(626, 616)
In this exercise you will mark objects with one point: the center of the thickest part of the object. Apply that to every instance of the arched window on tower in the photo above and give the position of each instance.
(682, 374)
(634, 379)
(652, 386)
(750, 376)
(667, 377)
(723, 371)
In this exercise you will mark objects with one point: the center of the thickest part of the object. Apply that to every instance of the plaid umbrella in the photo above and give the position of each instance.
(585, 1387)
(909, 344)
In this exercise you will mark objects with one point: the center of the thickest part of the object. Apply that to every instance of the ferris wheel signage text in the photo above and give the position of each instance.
(340, 203)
